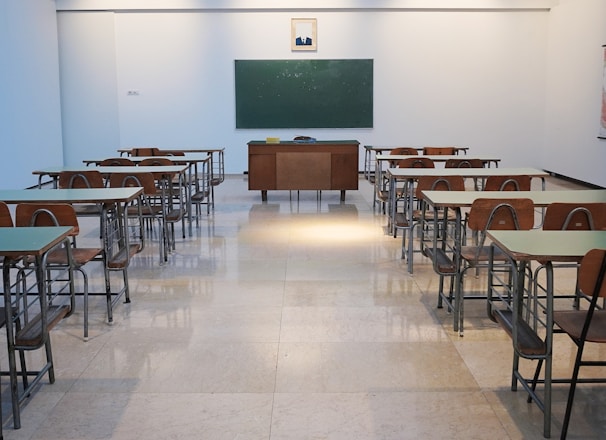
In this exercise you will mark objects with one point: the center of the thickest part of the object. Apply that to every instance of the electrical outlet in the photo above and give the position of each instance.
(132, 93)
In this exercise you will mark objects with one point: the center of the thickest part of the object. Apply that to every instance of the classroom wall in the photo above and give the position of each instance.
(30, 114)
(577, 31)
(442, 77)
(523, 84)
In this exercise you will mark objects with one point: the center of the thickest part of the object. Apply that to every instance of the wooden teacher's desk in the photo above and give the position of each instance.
(290, 165)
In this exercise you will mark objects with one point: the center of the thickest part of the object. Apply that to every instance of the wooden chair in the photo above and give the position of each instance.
(484, 215)
(507, 183)
(151, 206)
(464, 163)
(404, 151)
(415, 162)
(145, 151)
(173, 188)
(584, 326)
(171, 153)
(401, 151)
(83, 179)
(37, 306)
(400, 221)
(6, 220)
(117, 162)
(424, 217)
(439, 151)
(569, 217)
(60, 214)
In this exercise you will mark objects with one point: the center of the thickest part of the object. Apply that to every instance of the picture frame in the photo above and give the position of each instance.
(602, 133)
(303, 34)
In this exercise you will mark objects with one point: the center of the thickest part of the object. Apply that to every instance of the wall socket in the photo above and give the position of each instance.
(132, 93)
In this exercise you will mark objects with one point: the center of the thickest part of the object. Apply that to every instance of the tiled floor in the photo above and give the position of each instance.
(291, 319)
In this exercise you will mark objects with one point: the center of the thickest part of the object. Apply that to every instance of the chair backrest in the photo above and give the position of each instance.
(171, 153)
(507, 183)
(81, 179)
(439, 151)
(416, 162)
(47, 214)
(117, 162)
(439, 183)
(592, 273)
(501, 214)
(6, 221)
(144, 180)
(145, 151)
(575, 216)
(409, 151)
(156, 161)
(464, 163)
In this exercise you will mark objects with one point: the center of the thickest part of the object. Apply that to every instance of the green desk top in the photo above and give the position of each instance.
(84, 195)
(548, 245)
(387, 148)
(169, 150)
(434, 157)
(463, 199)
(415, 173)
(30, 240)
(187, 157)
(164, 169)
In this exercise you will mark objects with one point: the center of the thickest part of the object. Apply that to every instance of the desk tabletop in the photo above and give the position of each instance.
(548, 245)
(187, 157)
(415, 173)
(379, 148)
(80, 195)
(169, 150)
(35, 240)
(158, 169)
(463, 199)
(434, 157)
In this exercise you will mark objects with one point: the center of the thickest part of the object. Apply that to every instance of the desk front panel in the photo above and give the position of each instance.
(294, 166)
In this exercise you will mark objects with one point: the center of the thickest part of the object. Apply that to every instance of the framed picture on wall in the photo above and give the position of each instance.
(303, 34)
(602, 134)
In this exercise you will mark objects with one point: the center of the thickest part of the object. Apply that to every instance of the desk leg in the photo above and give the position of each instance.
(342, 195)
(264, 195)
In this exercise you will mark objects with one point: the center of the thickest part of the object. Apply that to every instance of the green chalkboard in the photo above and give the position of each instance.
(304, 93)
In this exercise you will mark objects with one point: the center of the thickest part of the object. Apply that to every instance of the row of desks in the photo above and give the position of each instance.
(523, 247)
(38, 241)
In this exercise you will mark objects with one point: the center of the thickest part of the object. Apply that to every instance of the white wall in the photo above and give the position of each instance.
(574, 83)
(472, 78)
(30, 115)
(89, 98)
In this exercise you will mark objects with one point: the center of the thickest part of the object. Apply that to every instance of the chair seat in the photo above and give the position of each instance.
(572, 321)
(80, 256)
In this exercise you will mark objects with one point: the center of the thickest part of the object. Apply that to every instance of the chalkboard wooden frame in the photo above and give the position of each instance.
(304, 93)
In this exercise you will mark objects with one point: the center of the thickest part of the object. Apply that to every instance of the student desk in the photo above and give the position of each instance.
(409, 175)
(120, 197)
(160, 172)
(217, 164)
(458, 200)
(523, 247)
(200, 181)
(381, 183)
(370, 152)
(14, 243)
